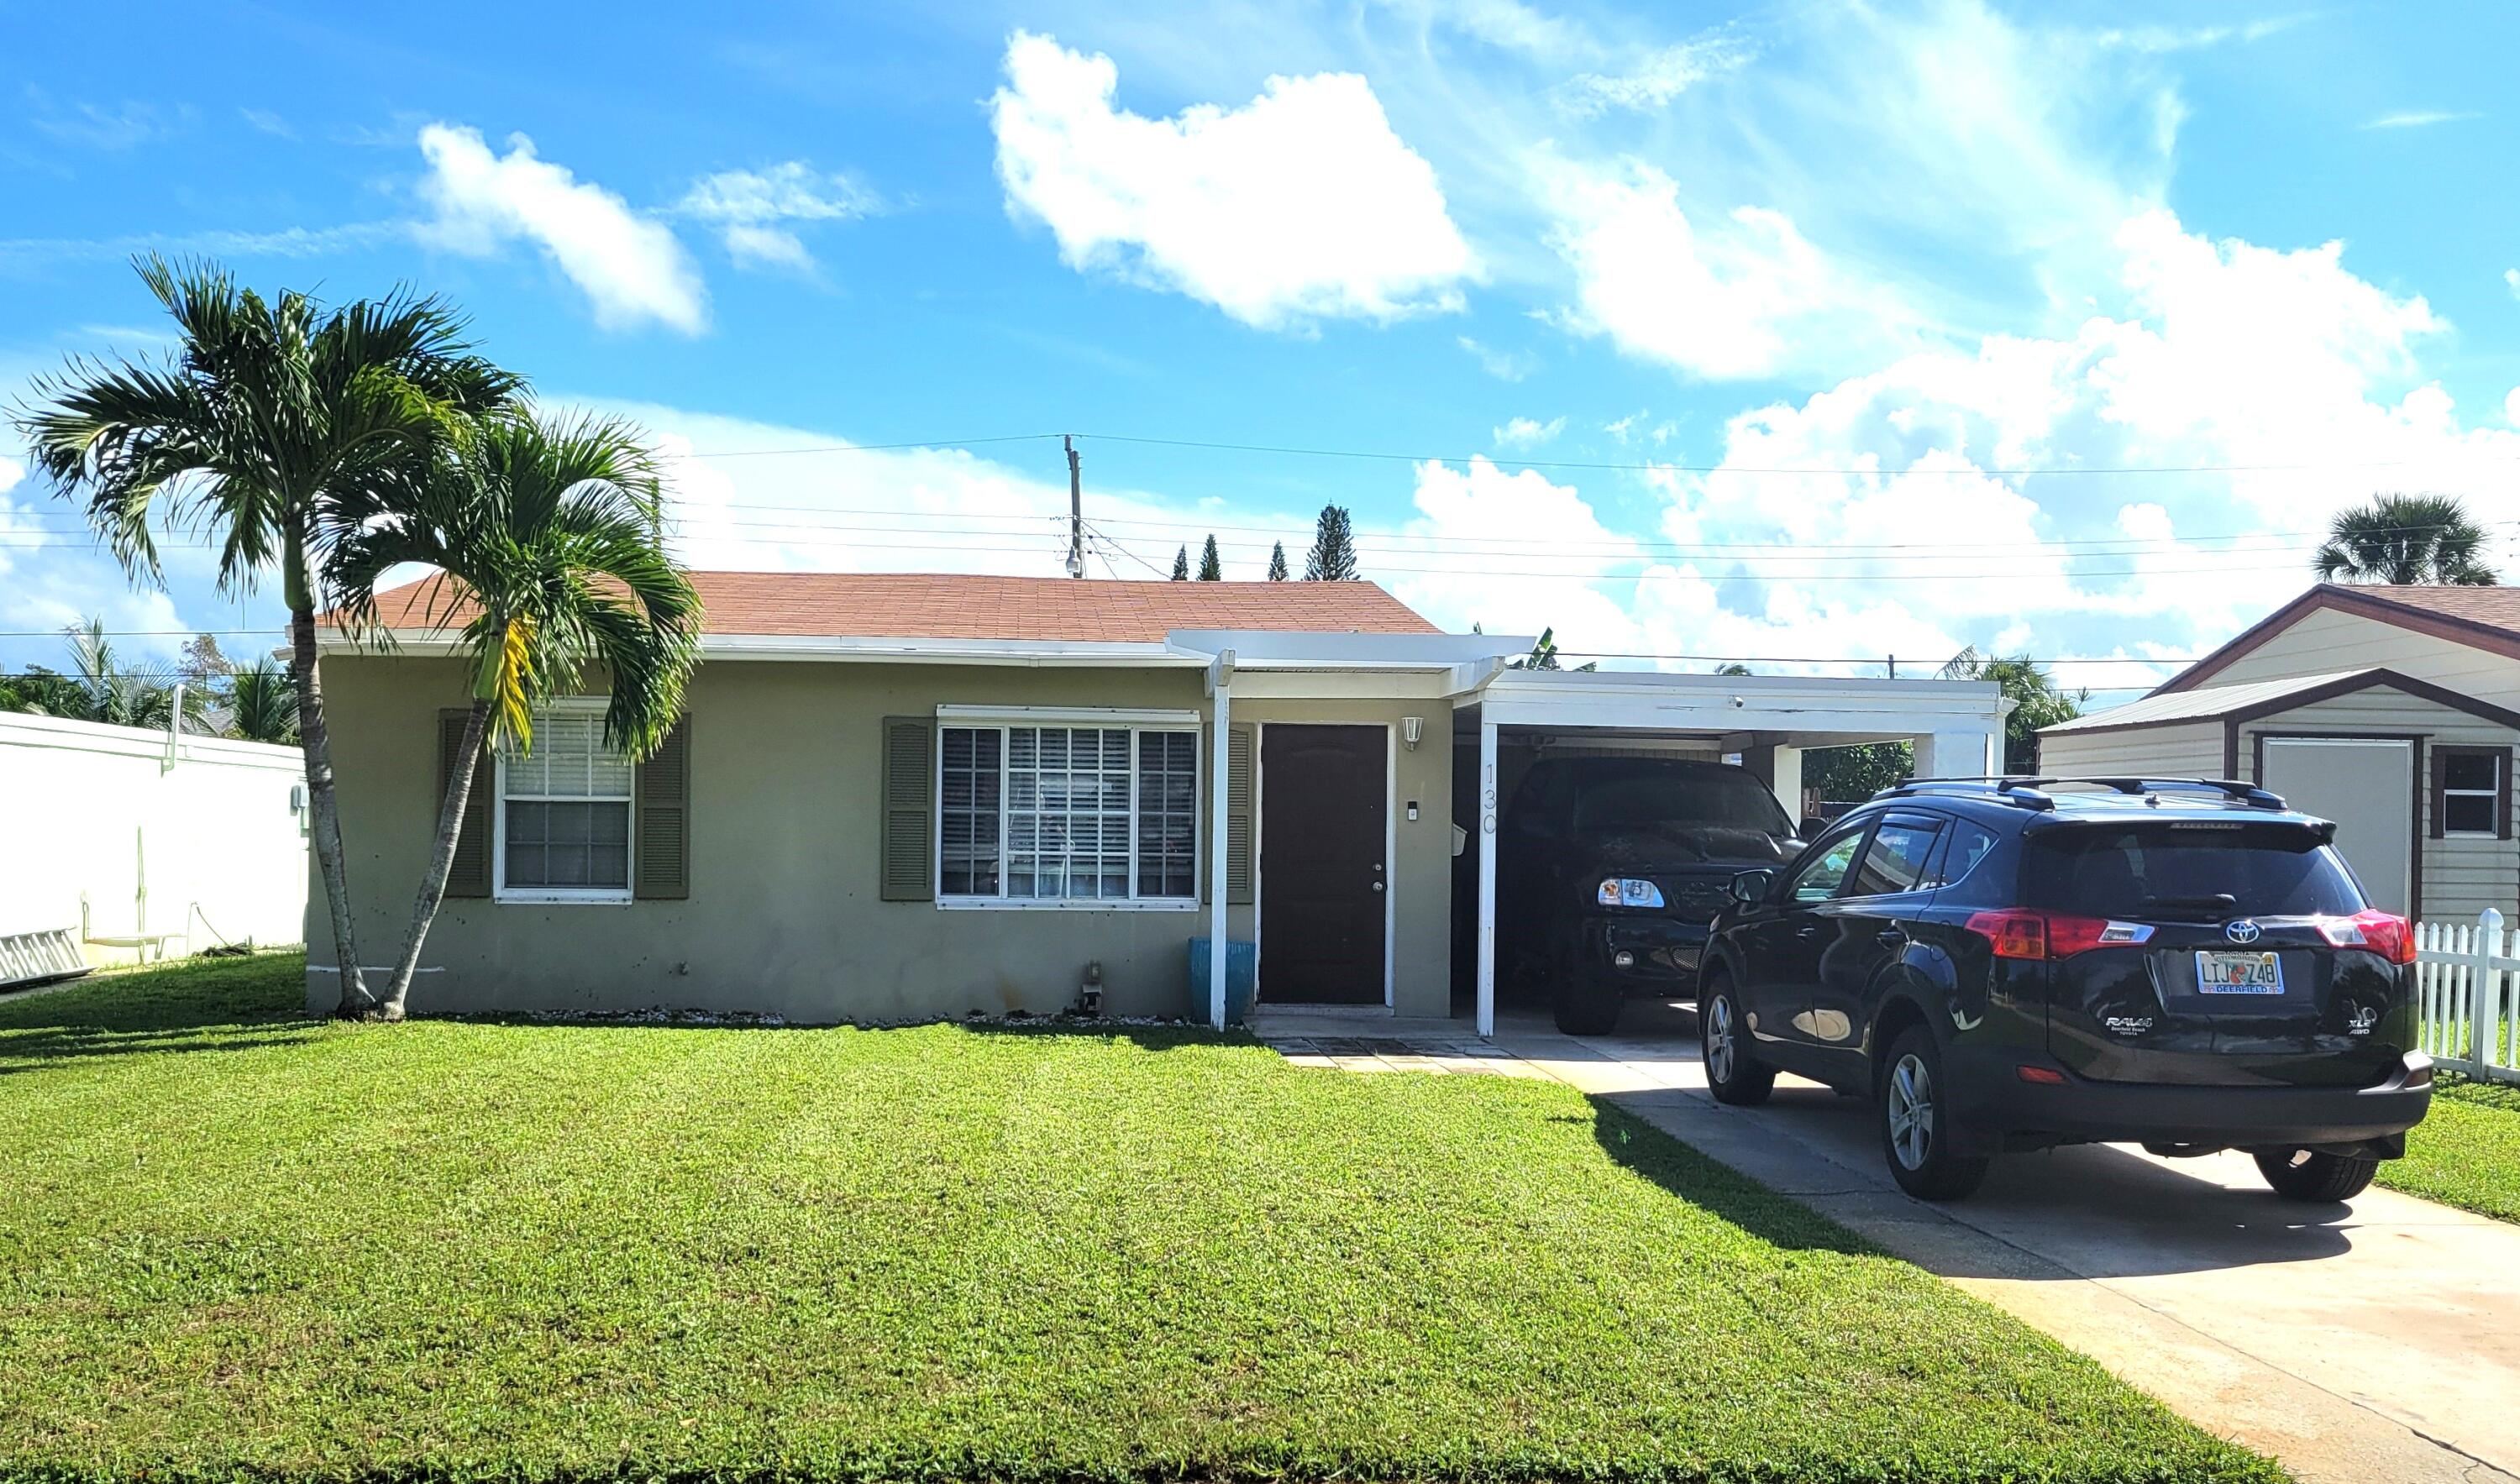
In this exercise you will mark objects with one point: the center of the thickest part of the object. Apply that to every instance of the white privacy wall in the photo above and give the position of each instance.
(221, 830)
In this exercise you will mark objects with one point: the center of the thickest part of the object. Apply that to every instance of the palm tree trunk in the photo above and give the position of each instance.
(441, 861)
(321, 802)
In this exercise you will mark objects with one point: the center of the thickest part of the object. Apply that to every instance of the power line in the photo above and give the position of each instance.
(1650, 466)
(1466, 565)
(874, 448)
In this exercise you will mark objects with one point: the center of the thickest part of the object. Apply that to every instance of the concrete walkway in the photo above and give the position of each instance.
(2376, 1340)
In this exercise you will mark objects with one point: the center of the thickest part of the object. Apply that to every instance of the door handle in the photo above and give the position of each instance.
(1807, 930)
(1890, 936)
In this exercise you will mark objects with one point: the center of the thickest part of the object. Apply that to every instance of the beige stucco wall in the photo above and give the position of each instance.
(783, 914)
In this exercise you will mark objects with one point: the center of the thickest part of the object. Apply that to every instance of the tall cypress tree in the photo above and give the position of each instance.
(1210, 569)
(1333, 558)
(1278, 563)
(1180, 565)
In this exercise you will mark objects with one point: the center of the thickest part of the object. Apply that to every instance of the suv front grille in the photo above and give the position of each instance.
(1696, 897)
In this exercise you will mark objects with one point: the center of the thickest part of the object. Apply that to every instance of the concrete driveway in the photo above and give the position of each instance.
(2375, 1340)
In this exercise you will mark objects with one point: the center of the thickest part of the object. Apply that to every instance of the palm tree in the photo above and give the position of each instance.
(126, 693)
(270, 415)
(262, 703)
(551, 534)
(2405, 539)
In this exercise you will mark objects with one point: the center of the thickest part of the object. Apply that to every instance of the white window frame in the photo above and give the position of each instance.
(2491, 795)
(560, 896)
(1002, 718)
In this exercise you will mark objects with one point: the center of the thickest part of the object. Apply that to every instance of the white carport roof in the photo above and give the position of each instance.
(1958, 726)
(1791, 710)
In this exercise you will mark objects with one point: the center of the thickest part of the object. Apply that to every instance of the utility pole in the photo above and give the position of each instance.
(1075, 509)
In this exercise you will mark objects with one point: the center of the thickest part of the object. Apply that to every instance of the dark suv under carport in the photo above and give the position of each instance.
(1609, 870)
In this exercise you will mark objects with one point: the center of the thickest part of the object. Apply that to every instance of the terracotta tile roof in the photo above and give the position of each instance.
(955, 606)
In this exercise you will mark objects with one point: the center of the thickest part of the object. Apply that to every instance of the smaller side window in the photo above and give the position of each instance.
(1971, 844)
(1825, 873)
(2471, 791)
(1895, 860)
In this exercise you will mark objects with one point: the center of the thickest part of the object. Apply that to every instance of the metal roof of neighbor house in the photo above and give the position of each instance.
(963, 607)
(2485, 618)
(2233, 705)
(2197, 705)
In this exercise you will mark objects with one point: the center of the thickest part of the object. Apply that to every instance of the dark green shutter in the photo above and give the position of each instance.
(662, 795)
(469, 875)
(907, 869)
(1238, 816)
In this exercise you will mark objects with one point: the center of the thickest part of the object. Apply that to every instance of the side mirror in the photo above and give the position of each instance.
(1811, 826)
(1750, 887)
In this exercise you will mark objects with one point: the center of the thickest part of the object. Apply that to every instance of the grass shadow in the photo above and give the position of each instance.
(201, 1004)
(1717, 1187)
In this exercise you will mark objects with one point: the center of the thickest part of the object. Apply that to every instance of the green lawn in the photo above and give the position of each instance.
(2466, 1152)
(238, 1243)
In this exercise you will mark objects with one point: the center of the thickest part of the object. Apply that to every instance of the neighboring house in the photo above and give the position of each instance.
(151, 843)
(899, 797)
(2393, 711)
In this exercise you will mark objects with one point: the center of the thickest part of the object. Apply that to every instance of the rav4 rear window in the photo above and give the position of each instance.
(1727, 800)
(2187, 871)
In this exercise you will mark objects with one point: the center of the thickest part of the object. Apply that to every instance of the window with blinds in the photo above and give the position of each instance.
(1061, 815)
(564, 813)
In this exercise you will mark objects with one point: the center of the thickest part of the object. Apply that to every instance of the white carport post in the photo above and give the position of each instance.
(1487, 874)
(1961, 754)
(1220, 684)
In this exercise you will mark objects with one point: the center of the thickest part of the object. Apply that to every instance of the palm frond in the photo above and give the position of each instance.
(550, 529)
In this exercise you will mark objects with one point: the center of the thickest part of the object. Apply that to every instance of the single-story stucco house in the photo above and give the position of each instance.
(900, 797)
(2392, 710)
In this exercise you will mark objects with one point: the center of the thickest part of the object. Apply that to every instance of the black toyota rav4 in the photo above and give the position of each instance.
(2016, 964)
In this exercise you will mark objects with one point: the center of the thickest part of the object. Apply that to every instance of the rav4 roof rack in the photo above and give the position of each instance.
(2029, 793)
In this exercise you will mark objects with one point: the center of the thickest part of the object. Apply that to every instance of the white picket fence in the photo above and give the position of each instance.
(2467, 980)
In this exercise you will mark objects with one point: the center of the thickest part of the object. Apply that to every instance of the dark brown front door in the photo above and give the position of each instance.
(1324, 881)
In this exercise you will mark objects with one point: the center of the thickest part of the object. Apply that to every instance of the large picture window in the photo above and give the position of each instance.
(1063, 815)
(564, 820)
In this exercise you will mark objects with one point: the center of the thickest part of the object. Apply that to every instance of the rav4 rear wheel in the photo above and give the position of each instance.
(1732, 1074)
(1916, 1122)
(2301, 1175)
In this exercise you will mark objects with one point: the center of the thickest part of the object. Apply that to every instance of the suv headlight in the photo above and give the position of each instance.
(1628, 891)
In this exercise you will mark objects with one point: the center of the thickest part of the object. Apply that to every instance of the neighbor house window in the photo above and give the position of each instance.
(564, 826)
(2471, 790)
(1059, 815)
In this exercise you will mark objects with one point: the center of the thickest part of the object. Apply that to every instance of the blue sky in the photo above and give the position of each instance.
(1845, 295)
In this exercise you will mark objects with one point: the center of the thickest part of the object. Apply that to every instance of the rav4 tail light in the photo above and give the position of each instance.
(2385, 933)
(2025, 932)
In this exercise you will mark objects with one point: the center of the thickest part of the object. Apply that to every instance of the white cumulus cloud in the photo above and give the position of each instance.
(1528, 432)
(1737, 295)
(750, 209)
(632, 269)
(1301, 204)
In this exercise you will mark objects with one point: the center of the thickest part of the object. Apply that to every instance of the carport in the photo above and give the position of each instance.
(1765, 722)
